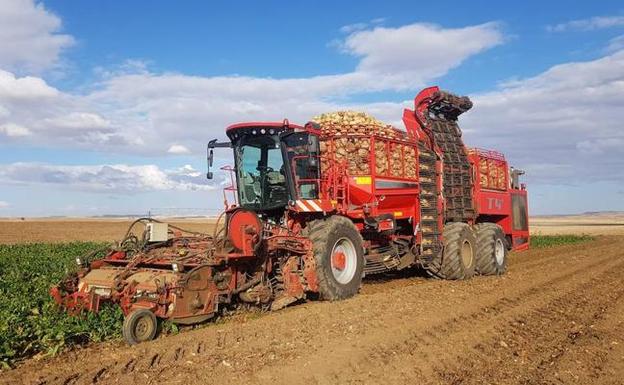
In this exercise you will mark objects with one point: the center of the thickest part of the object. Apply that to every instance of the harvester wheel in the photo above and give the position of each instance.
(139, 326)
(491, 249)
(458, 256)
(339, 256)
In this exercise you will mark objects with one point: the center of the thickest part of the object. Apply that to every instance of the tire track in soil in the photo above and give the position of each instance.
(546, 255)
(524, 261)
(423, 329)
(540, 340)
(604, 363)
(435, 345)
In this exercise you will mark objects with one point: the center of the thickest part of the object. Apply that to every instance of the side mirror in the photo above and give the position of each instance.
(209, 158)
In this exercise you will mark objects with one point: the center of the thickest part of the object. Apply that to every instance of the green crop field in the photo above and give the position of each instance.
(30, 323)
(540, 241)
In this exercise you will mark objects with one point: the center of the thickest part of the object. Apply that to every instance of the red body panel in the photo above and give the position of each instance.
(493, 200)
(373, 194)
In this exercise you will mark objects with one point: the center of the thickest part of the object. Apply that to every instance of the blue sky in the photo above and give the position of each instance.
(106, 106)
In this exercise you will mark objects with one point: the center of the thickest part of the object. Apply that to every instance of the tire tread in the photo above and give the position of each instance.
(319, 231)
(487, 233)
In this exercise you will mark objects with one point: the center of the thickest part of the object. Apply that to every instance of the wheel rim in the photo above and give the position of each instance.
(343, 261)
(143, 328)
(466, 253)
(499, 252)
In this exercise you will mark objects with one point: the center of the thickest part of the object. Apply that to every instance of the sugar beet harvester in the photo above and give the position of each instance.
(318, 207)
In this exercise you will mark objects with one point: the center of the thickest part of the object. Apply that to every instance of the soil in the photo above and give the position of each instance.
(79, 229)
(556, 317)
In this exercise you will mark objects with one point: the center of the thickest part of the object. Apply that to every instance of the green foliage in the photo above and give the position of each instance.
(558, 240)
(169, 327)
(30, 322)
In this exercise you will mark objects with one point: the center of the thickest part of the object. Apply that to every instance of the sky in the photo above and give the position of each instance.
(106, 106)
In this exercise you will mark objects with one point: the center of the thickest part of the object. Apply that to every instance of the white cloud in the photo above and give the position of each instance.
(135, 111)
(78, 121)
(13, 130)
(565, 124)
(411, 55)
(43, 115)
(601, 145)
(25, 89)
(178, 149)
(4, 204)
(30, 36)
(616, 44)
(350, 28)
(4, 112)
(592, 23)
(119, 178)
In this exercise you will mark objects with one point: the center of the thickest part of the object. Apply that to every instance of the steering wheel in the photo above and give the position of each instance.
(265, 168)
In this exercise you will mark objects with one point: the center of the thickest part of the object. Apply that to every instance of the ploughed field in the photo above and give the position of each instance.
(557, 316)
(84, 229)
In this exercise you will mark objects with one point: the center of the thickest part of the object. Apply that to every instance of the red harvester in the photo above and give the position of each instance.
(318, 207)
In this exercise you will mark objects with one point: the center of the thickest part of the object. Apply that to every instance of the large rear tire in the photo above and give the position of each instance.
(458, 255)
(339, 256)
(491, 249)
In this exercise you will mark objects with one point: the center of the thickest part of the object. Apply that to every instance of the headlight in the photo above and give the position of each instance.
(78, 261)
(177, 267)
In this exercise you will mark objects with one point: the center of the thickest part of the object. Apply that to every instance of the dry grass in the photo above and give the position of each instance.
(80, 229)
(591, 224)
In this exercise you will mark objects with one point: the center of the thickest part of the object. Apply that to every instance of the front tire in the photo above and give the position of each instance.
(491, 249)
(339, 257)
(139, 326)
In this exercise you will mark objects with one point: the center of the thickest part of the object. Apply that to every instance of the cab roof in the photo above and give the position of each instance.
(285, 124)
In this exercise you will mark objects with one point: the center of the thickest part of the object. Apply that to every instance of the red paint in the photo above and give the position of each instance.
(244, 228)
(495, 205)
(339, 260)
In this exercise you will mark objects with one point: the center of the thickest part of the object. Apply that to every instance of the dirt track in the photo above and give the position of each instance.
(557, 317)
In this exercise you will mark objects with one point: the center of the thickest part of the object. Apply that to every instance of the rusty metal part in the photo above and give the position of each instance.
(258, 294)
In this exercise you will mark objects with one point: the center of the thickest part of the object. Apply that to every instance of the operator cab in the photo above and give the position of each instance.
(275, 163)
